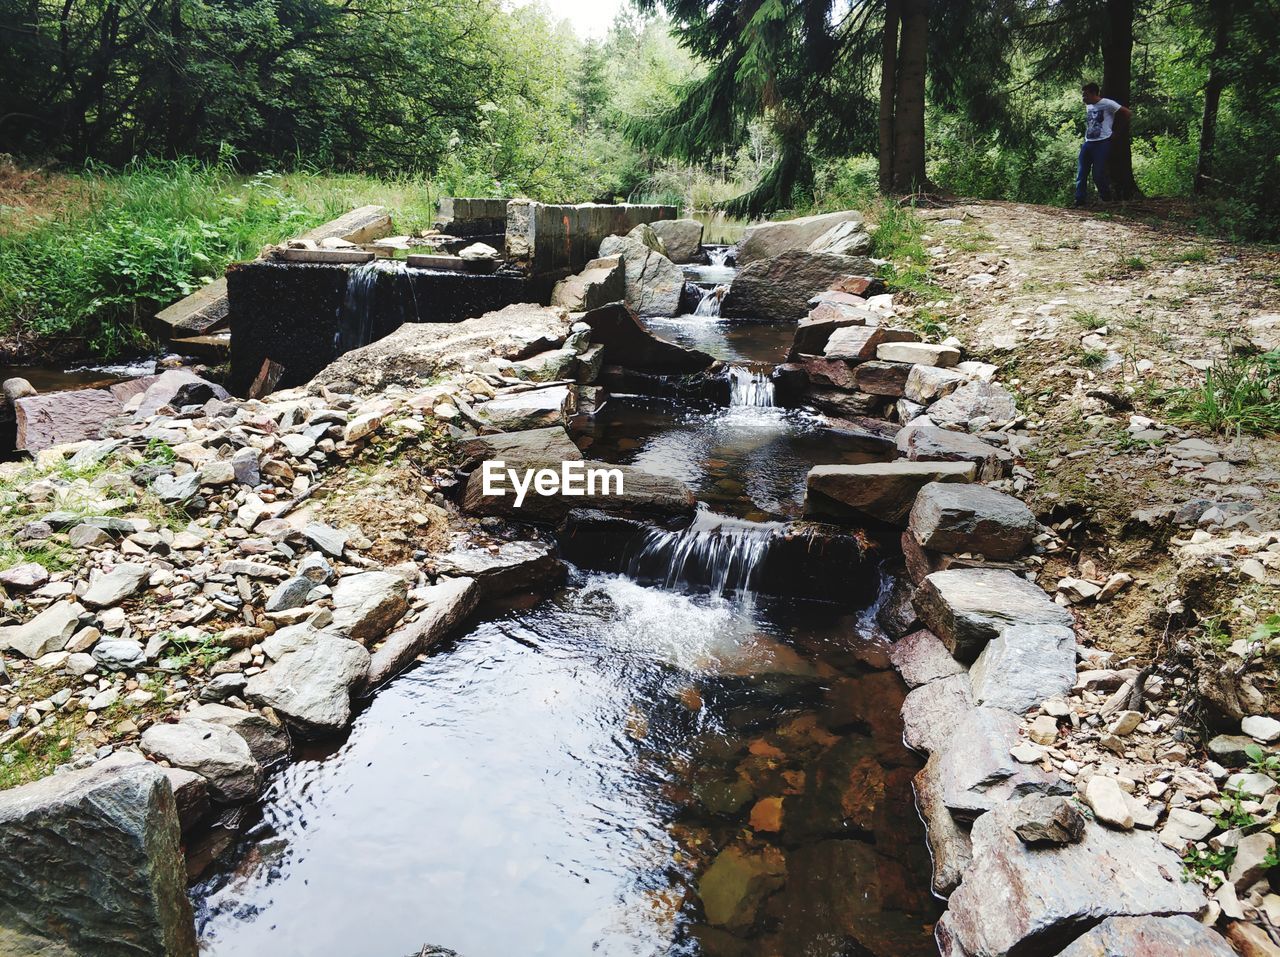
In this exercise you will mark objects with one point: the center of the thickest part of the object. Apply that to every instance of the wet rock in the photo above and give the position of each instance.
(844, 791)
(927, 443)
(884, 491)
(601, 281)
(216, 753)
(737, 883)
(1023, 665)
(311, 686)
(57, 418)
(976, 769)
(93, 861)
(896, 614)
(1015, 898)
(505, 567)
(48, 631)
(921, 658)
(115, 586)
(780, 287)
(956, 517)
(449, 602)
(366, 605)
(920, 353)
(974, 403)
(682, 239)
(1040, 819)
(1176, 936)
(267, 740)
(627, 343)
(949, 844)
(653, 283)
(932, 712)
(968, 607)
(765, 240)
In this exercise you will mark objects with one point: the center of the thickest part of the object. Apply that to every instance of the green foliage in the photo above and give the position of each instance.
(1240, 393)
(1233, 815)
(205, 651)
(1089, 320)
(1264, 762)
(1205, 863)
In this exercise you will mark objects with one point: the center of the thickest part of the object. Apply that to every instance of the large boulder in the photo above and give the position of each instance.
(682, 238)
(653, 282)
(849, 238)
(268, 741)
(766, 240)
(859, 344)
(1176, 936)
(213, 751)
(449, 602)
(419, 352)
(1018, 900)
(508, 567)
(601, 281)
(366, 605)
(932, 710)
(781, 287)
(57, 418)
(976, 769)
(928, 443)
(967, 607)
(93, 861)
(884, 491)
(310, 687)
(627, 343)
(1024, 665)
(949, 844)
(921, 658)
(531, 447)
(814, 331)
(953, 517)
(975, 406)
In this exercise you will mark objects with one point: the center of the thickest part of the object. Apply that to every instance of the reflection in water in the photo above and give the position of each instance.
(727, 340)
(620, 771)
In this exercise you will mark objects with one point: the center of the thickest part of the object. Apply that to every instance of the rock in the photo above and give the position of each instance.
(1023, 665)
(1040, 819)
(976, 769)
(532, 409)
(1261, 728)
(884, 491)
(246, 466)
(1254, 785)
(1013, 896)
(417, 353)
(1250, 940)
(215, 752)
(927, 443)
(682, 238)
(311, 686)
(954, 517)
(513, 566)
(653, 283)
(921, 353)
(627, 343)
(115, 586)
(931, 712)
(190, 796)
(974, 401)
(849, 238)
(949, 844)
(529, 449)
(1176, 936)
(175, 386)
(48, 631)
(449, 602)
(1104, 796)
(366, 605)
(859, 343)
(329, 540)
(766, 240)
(176, 489)
(93, 860)
(1044, 730)
(87, 536)
(781, 286)
(814, 331)
(1254, 856)
(24, 577)
(1125, 723)
(895, 613)
(268, 742)
(921, 658)
(737, 882)
(928, 383)
(119, 654)
(57, 418)
(361, 427)
(1230, 749)
(1184, 825)
(291, 593)
(600, 283)
(967, 607)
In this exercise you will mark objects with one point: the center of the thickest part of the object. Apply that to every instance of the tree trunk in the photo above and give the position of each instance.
(888, 86)
(1117, 74)
(908, 114)
(174, 65)
(1223, 15)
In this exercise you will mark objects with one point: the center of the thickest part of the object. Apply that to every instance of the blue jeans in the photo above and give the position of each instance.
(1093, 156)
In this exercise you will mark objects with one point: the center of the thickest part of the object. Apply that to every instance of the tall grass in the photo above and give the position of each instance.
(1240, 393)
(85, 277)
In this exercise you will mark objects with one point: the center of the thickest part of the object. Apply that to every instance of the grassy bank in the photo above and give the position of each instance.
(86, 257)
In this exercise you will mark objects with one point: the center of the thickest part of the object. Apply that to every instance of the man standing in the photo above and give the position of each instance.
(1100, 113)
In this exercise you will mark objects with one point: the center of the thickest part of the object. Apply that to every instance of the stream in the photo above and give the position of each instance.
(663, 761)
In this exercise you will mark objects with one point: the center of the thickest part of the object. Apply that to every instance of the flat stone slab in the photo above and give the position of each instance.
(953, 517)
(922, 353)
(1024, 665)
(507, 567)
(884, 491)
(449, 602)
(57, 418)
(931, 712)
(928, 443)
(967, 607)
(765, 240)
(1176, 936)
(976, 769)
(921, 658)
(530, 448)
(1013, 895)
(531, 409)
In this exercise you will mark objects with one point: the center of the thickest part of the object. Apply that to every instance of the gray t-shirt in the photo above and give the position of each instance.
(1098, 119)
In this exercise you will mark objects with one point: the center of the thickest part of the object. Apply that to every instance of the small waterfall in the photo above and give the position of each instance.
(716, 552)
(360, 322)
(710, 303)
(750, 388)
(719, 256)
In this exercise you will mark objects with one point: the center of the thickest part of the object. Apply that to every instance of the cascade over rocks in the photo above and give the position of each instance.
(781, 287)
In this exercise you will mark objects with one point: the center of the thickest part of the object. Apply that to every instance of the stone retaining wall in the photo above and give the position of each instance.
(559, 240)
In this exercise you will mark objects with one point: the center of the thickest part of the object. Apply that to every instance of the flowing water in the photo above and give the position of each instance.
(361, 322)
(665, 762)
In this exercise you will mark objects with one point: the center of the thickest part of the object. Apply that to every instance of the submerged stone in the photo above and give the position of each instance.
(737, 883)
